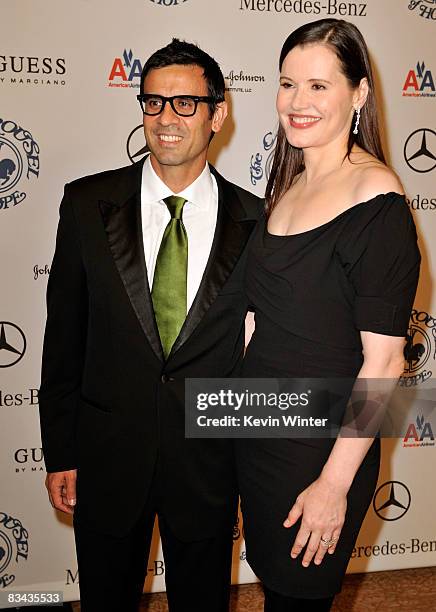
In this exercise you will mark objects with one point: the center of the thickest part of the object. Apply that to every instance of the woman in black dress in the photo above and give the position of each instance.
(332, 275)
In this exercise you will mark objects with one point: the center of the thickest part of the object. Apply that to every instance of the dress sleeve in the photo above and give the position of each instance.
(381, 259)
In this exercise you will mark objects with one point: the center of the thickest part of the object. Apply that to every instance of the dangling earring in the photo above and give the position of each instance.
(356, 127)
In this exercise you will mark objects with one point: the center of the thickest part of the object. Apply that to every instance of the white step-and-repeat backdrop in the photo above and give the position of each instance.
(69, 74)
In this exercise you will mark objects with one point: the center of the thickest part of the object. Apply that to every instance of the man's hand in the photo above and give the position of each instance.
(61, 487)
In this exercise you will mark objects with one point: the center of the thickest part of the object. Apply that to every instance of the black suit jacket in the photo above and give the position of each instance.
(110, 405)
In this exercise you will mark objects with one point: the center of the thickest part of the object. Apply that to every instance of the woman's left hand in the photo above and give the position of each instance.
(322, 507)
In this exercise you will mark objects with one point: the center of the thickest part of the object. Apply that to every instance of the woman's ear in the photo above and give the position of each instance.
(361, 93)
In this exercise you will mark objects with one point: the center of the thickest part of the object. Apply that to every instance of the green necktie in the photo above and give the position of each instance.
(170, 276)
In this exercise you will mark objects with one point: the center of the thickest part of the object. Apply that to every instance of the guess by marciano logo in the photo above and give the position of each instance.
(25, 70)
(419, 82)
(425, 8)
(306, 7)
(28, 460)
(19, 162)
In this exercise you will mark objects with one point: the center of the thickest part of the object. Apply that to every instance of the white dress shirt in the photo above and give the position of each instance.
(199, 218)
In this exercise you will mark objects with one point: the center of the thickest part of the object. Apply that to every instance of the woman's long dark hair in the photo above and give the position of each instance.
(350, 48)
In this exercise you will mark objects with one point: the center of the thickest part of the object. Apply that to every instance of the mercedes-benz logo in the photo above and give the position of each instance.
(418, 150)
(136, 145)
(391, 500)
(12, 344)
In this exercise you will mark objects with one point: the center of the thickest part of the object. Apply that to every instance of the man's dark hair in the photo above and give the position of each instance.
(183, 53)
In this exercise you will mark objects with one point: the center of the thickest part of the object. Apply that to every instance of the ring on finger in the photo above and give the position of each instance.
(327, 543)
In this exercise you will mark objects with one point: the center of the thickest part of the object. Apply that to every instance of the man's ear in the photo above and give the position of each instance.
(219, 116)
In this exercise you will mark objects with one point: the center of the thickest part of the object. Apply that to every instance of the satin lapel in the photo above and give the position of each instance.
(231, 235)
(124, 232)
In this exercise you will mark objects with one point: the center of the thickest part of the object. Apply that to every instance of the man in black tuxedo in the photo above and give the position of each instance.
(145, 291)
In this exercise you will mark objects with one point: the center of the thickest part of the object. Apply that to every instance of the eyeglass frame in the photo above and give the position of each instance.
(143, 97)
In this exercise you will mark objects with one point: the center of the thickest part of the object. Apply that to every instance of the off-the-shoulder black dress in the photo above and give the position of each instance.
(312, 294)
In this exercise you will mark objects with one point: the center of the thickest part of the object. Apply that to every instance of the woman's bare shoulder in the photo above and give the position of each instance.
(372, 178)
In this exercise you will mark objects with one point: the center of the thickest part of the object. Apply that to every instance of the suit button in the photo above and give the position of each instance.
(165, 378)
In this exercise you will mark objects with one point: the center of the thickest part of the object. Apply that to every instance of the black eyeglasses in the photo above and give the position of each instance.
(185, 106)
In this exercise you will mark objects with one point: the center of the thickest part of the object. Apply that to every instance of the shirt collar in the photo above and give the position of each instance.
(154, 189)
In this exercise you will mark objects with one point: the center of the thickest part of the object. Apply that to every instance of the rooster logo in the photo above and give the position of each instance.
(417, 349)
(7, 168)
(413, 352)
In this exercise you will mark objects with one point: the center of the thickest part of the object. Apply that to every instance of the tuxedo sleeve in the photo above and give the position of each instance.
(64, 345)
